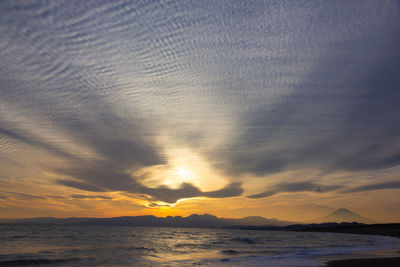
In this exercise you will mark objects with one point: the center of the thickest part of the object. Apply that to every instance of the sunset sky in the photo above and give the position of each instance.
(286, 109)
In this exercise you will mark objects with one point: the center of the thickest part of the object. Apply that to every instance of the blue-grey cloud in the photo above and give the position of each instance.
(374, 186)
(97, 177)
(80, 185)
(22, 196)
(295, 187)
(342, 114)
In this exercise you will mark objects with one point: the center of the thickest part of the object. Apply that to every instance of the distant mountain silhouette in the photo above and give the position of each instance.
(194, 220)
(387, 229)
(344, 215)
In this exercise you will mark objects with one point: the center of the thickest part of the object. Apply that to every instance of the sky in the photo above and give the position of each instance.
(285, 109)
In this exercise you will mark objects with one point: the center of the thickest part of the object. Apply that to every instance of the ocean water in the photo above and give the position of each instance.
(74, 245)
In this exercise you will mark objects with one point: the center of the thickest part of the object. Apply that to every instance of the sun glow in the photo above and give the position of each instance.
(178, 175)
(183, 166)
(184, 173)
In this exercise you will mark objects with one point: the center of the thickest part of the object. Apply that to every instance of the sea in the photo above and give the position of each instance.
(96, 245)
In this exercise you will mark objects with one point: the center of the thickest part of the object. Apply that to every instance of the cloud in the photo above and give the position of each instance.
(100, 176)
(80, 196)
(375, 186)
(22, 196)
(170, 195)
(21, 135)
(54, 197)
(187, 190)
(161, 193)
(97, 176)
(295, 187)
(231, 190)
(79, 185)
(157, 205)
(341, 115)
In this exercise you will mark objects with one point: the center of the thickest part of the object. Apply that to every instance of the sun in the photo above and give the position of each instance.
(183, 166)
(179, 175)
(183, 173)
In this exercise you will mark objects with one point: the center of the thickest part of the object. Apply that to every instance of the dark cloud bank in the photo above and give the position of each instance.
(161, 193)
(103, 177)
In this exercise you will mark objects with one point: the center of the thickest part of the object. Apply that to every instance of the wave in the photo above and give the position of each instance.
(250, 252)
(247, 240)
(39, 261)
(193, 245)
(230, 252)
(141, 248)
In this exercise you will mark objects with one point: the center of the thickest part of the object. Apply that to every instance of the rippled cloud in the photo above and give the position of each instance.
(101, 90)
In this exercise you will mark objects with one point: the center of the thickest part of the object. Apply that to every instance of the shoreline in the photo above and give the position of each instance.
(366, 262)
(374, 258)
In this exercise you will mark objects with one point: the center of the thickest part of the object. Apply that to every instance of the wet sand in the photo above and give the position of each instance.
(371, 262)
(381, 258)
